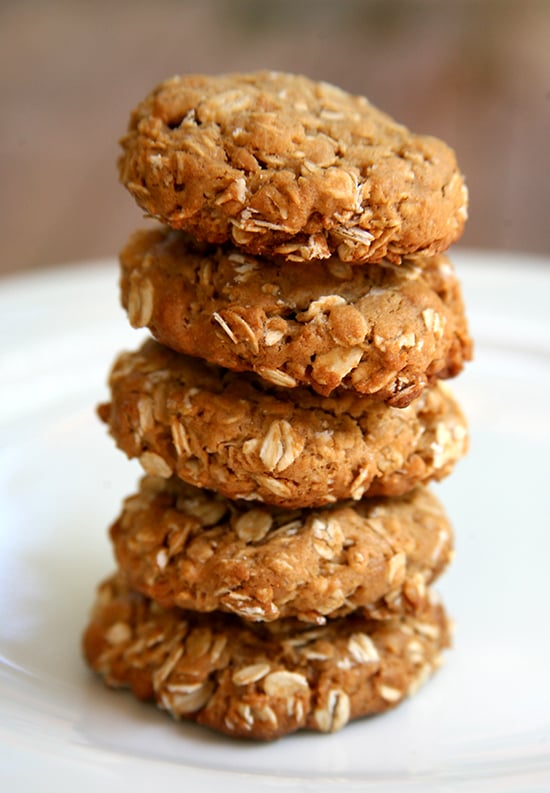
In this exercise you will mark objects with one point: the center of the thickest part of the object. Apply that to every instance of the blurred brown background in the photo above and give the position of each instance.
(474, 72)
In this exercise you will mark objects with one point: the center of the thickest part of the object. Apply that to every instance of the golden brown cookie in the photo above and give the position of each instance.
(380, 330)
(247, 439)
(280, 164)
(260, 681)
(187, 547)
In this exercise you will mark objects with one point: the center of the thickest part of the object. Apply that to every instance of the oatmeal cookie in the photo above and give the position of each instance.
(280, 164)
(192, 548)
(248, 439)
(260, 681)
(381, 330)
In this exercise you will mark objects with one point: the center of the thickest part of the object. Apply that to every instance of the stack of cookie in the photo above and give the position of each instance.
(275, 565)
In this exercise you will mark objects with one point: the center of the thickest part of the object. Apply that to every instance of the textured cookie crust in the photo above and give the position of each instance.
(280, 164)
(260, 681)
(247, 439)
(191, 548)
(380, 330)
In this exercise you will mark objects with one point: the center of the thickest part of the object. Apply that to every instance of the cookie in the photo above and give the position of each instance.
(260, 681)
(282, 165)
(247, 439)
(381, 330)
(192, 548)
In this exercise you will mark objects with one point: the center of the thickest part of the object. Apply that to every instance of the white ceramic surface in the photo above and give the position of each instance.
(482, 724)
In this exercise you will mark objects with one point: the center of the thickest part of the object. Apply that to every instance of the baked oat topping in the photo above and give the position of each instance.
(249, 440)
(280, 164)
(380, 329)
(195, 549)
(212, 668)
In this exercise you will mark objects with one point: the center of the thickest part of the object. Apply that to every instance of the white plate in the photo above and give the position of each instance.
(482, 724)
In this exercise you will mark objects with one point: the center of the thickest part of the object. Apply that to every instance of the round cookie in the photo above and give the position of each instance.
(260, 681)
(380, 330)
(280, 164)
(250, 440)
(191, 548)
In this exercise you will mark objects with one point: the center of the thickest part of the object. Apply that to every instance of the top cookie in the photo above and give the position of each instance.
(280, 164)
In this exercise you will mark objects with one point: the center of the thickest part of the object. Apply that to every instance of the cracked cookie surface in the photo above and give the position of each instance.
(381, 330)
(247, 439)
(187, 547)
(260, 681)
(280, 164)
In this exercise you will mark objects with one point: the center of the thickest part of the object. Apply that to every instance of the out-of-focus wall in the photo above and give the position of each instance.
(474, 72)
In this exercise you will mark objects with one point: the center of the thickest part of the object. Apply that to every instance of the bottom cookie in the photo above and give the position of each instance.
(260, 680)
